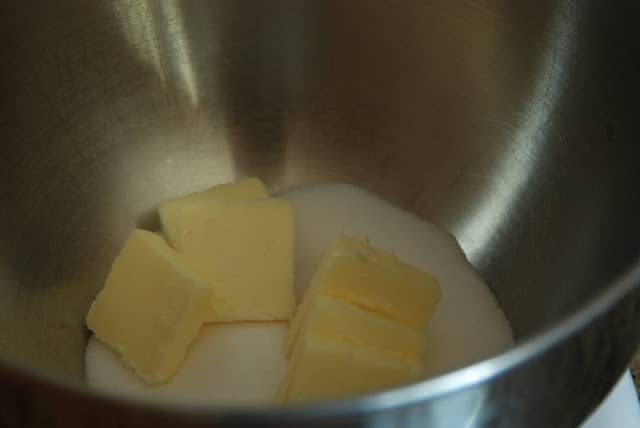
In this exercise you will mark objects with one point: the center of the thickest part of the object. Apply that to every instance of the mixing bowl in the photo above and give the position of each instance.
(510, 123)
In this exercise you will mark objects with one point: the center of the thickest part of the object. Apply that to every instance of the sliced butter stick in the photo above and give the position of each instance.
(334, 318)
(244, 250)
(169, 212)
(358, 274)
(324, 368)
(151, 307)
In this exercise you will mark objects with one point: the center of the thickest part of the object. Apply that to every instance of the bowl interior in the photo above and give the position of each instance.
(483, 119)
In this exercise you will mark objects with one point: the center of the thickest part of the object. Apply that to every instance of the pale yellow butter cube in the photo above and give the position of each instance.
(169, 212)
(340, 320)
(323, 368)
(244, 250)
(151, 307)
(353, 271)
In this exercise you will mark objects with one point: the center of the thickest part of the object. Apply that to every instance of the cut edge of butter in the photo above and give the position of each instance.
(344, 248)
(364, 328)
(318, 361)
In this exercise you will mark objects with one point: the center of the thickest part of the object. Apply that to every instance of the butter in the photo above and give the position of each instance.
(169, 212)
(356, 273)
(151, 307)
(334, 318)
(360, 327)
(324, 367)
(244, 250)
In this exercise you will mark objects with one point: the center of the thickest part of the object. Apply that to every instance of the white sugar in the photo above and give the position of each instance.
(242, 363)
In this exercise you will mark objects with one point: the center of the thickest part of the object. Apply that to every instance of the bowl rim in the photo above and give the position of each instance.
(402, 396)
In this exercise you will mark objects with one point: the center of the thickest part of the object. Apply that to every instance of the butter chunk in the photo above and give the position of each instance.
(244, 250)
(169, 212)
(151, 307)
(353, 271)
(327, 368)
(342, 321)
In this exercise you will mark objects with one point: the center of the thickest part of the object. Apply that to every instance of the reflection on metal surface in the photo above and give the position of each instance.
(136, 22)
(510, 122)
(155, 30)
(521, 159)
(175, 33)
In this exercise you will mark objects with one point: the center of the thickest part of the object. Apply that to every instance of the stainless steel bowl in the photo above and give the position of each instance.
(511, 123)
